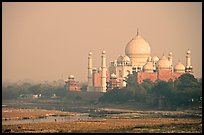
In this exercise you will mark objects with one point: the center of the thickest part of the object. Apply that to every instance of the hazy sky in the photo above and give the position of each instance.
(49, 41)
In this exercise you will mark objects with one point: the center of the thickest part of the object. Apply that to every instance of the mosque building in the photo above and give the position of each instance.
(71, 84)
(138, 61)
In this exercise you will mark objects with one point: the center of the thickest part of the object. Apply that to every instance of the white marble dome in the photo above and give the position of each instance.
(179, 67)
(138, 50)
(163, 63)
(137, 46)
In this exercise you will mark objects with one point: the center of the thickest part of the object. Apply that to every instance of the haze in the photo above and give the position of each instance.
(50, 41)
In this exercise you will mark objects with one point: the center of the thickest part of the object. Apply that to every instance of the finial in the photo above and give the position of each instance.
(137, 31)
(188, 52)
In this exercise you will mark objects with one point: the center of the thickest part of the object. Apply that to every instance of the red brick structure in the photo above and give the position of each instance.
(113, 82)
(71, 84)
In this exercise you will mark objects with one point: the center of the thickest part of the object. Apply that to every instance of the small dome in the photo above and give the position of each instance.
(120, 58)
(103, 52)
(94, 70)
(188, 51)
(163, 63)
(155, 59)
(179, 67)
(123, 58)
(90, 53)
(148, 66)
(71, 76)
(113, 75)
(170, 53)
(126, 59)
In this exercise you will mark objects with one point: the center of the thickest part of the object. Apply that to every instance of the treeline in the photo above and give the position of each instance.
(184, 91)
(46, 90)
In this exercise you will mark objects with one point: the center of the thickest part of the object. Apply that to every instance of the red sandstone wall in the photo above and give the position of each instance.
(97, 79)
(164, 75)
(74, 88)
(144, 75)
(177, 75)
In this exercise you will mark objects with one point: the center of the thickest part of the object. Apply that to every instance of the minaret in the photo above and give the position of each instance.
(189, 67)
(103, 71)
(188, 59)
(90, 82)
(123, 76)
(170, 60)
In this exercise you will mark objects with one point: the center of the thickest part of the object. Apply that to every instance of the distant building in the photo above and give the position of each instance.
(71, 84)
(138, 61)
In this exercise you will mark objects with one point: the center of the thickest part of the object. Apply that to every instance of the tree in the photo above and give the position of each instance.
(132, 81)
(35, 89)
(116, 95)
(186, 81)
(162, 88)
(147, 84)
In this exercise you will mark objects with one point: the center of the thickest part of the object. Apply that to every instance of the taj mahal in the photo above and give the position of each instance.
(137, 60)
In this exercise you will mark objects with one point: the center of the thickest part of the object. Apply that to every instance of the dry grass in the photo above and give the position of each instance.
(108, 125)
(11, 113)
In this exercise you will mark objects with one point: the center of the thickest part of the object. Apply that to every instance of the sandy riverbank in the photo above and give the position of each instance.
(136, 122)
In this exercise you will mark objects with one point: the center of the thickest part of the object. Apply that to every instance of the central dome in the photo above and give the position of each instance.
(138, 50)
(137, 46)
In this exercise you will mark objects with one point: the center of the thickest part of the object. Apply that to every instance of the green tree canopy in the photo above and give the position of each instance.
(162, 88)
(186, 81)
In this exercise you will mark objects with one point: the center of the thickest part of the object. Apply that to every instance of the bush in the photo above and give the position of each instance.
(78, 98)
